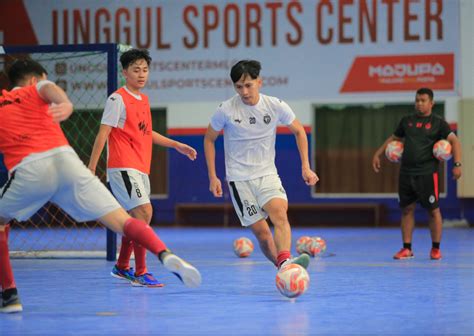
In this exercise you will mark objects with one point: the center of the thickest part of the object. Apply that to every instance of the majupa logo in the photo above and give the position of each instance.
(252, 120)
(428, 126)
(267, 119)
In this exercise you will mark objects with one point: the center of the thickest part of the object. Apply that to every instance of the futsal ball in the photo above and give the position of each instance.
(292, 280)
(394, 151)
(301, 244)
(243, 247)
(442, 150)
(321, 242)
(312, 247)
(315, 246)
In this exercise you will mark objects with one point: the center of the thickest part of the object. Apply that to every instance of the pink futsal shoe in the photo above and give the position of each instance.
(404, 253)
(435, 254)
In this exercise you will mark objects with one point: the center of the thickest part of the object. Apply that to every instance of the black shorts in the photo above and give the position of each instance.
(419, 188)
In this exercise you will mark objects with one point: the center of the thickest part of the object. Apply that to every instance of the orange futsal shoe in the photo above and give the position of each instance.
(435, 254)
(404, 253)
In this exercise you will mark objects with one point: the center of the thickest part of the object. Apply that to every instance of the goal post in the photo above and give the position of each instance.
(88, 74)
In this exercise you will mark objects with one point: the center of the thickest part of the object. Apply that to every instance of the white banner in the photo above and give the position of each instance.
(313, 49)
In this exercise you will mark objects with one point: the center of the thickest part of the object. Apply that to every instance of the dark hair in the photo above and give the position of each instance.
(427, 91)
(133, 55)
(245, 67)
(21, 69)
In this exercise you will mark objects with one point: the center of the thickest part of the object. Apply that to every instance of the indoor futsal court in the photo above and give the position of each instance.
(356, 288)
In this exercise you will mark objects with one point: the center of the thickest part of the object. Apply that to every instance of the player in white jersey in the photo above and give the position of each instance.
(249, 121)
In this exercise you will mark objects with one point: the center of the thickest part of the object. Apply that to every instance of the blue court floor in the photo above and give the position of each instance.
(358, 289)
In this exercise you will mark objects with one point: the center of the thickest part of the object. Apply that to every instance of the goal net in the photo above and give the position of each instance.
(88, 73)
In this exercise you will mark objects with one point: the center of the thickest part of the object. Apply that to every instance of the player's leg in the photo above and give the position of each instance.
(28, 188)
(429, 197)
(141, 233)
(142, 277)
(272, 198)
(251, 215)
(408, 224)
(131, 189)
(277, 210)
(85, 198)
(10, 299)
(262, 232)
(407, 200)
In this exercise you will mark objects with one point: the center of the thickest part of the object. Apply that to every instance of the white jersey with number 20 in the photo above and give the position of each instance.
(249, 135)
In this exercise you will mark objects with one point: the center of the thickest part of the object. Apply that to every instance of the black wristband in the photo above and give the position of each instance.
(457, 164)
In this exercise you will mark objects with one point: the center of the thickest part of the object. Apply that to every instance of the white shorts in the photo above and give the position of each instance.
(62, 179)
(130, 187)
(249, 197)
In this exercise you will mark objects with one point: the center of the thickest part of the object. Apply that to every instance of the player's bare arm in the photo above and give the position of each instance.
(61, 107)
(376, 158)
(308, 175)
(99, 143)
(457, 156)
(215, 185)
(182, 148)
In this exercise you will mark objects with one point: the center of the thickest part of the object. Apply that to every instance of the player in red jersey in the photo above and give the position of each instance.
(126, 126)
(43, 167)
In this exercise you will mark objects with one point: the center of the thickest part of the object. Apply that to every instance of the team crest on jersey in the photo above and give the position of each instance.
(428, 126)
(432, 199)
(252, 120)
(267, 119)
(143, 126)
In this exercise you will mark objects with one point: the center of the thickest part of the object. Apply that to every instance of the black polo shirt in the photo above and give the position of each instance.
(420, 134)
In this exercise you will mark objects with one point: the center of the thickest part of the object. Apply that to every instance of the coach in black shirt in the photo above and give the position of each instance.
(419, 180)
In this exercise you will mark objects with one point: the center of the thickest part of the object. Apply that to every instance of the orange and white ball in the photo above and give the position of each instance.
(292, 280)
(322, 244)
(243, 247)
(442, 150)
(302, 244)
(394, 151)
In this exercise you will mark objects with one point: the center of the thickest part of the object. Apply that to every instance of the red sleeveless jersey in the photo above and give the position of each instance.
(25, 125)
(131, 146)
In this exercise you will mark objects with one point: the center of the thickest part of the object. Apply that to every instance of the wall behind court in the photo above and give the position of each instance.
(312, 51)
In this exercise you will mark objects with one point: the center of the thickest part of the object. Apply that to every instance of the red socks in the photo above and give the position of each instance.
(126, 249)
(143, 234)
(140, 259)
(6, 274)
(282, 256)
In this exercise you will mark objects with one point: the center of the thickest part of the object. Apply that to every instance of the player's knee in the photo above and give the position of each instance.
(143, 212)
(279, 218)
(408, 210)
(434, 212)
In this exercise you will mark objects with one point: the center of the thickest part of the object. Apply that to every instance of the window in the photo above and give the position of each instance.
(346, 137)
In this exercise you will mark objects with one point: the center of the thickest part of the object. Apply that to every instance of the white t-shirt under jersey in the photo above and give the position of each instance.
(249, 135)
